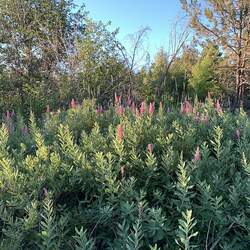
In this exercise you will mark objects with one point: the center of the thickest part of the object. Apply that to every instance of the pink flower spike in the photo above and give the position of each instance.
(150, 148)
(117, 99)
(8, 116)
(119, 133)
(186, 107)
(197, 117)
(73, 104)
(133, 108)
(197, 155)
(120, 110)
(151, 108)
(206, 119)
(47, 109)
(218, 107)
(24, 130)
(45, 191)
(237, 133)
(129, 101)
(161, 105)
(99, 109)
(142, 108)
(182, 108)
(12, 114)
(122, 169)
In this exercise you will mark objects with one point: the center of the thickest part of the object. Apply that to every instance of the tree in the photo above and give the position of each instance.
(169, 78)
(158, 70)
(36, 38)
(226, 23)
(135, 56)
(203, 78)
(144, 85)
(99, 67)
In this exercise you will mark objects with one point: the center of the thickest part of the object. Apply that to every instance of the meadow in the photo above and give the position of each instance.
(127, 177)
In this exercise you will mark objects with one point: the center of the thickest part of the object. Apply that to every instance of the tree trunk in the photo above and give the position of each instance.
(239, 83)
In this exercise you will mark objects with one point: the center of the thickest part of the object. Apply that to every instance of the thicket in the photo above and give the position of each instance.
(126, 178)
(136, 174)
(52, 51)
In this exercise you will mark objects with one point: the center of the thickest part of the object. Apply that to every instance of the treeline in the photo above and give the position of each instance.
(52, 51)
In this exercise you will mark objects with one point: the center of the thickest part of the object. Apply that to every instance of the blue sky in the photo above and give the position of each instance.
(130, 15)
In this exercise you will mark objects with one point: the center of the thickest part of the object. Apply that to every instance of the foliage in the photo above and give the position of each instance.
(90, 179)
(35, 40)
(51, 51)
(99, 69)
(226, 25)
(203, 78)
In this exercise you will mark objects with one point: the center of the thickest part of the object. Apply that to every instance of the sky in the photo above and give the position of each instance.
(131, 15)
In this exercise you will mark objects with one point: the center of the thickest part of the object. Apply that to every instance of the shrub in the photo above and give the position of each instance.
(87, 179)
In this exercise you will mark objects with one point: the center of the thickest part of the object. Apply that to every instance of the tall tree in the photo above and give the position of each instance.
(180, 73)
(134, 57)
(227, 24)
(35, 40)
(99, 65)
(177, 39)
(204, 77)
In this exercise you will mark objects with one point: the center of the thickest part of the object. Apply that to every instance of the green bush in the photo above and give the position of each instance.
(125, 179)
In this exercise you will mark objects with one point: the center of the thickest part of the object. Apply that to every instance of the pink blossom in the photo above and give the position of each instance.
(189, 107)
(73, 104)
(117, 99)
(12, 114)
(237, 133)
(137, 113)
(47, 109)
(205, 119)
(99, 109)
(218, 107)
(8, 115)
(142, 108)
(45, 191)
(122, 170)
(150, 147)
(182, 108)
(151, 108)
(119, 133)
(161, 105)
(186, 107)
(9, 122)
(197, 117)
(133, 108)
(129, 101)
(24, 130)
(197, 155)
(120, 110)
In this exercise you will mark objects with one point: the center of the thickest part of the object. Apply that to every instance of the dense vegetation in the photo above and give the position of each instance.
(52, 51)
(151, 159)
(126, 178)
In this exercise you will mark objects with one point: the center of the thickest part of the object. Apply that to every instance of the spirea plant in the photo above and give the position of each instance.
(128, 177)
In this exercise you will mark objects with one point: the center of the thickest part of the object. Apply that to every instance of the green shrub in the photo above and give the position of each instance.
(82, 179)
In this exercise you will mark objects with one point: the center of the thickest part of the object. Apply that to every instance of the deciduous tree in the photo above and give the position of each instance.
(227, 24)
